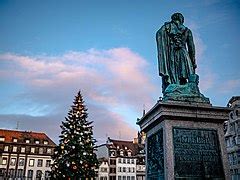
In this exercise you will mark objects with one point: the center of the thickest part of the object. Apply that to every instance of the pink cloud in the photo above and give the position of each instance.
(108, 78)
(207, 79)
(230, 86)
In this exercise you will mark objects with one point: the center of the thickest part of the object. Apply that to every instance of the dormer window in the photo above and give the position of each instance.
(15, 140)
(121, 153)
(112, 153)
(117, 147)
(129, 153)
(27, 141)
(2, 139)
(125, 147)
(45, 142)
(37, 142)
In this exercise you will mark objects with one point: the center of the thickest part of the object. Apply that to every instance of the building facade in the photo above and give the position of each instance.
(25, 155)
(125, 159)
(232, 137)
(103, 170)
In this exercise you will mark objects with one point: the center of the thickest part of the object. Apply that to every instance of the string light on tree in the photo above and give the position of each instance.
(74, 157)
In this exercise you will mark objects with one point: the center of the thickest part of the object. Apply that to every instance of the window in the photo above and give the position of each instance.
(40, 151)
(27, 141)
(112, 162)
(103, 170)
(132, 161)
(14, 149)
(32, 150)
(49, 150)
(48, 163)
(13, 162)
(133, 178)
(124, 177)
(5, 148)
(129, 153)
(2, 172)
(128, 161)
(119, 169)
(2, 139)
(129, 169)
(133, 169)
(119, 160)
(21, 162)
(31, 162)
(124, 160)
(20, 173)
(39, 174)
(124, 169)
(23, 149)
(15, 140)
(36, 142)
(119, 177)
(45, 142)
(11, 173)
(4, 161)
(128, 177)
(40, 163)
(112, 170)
(30, 174)
(47, 175)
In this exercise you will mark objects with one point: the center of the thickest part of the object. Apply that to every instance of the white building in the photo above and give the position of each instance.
(232, 137)
(122, 157)
(25, 155)
(103, 170)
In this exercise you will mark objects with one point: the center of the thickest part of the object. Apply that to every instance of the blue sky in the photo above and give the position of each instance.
(51, 49)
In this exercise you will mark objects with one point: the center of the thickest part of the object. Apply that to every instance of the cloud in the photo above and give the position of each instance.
(207, 79)
(106, 124)
(230, 86)
(107, 78)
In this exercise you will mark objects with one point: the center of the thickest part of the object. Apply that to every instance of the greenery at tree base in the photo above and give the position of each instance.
(74, 157)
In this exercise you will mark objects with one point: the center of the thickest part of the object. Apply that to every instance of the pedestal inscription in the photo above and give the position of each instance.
(155, 156)
(197, 154)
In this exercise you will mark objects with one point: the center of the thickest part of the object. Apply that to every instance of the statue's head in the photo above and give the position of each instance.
(177, 17)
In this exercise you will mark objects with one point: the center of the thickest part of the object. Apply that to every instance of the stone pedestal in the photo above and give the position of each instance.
(185, 141)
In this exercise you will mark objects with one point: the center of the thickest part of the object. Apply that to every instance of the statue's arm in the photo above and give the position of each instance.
(161, 49)
(191, 48)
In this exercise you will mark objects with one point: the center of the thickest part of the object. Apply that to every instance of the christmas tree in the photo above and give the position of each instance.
(74, 157)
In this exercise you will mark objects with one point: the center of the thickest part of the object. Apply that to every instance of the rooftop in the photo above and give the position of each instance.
(22, 136)
(125, 145)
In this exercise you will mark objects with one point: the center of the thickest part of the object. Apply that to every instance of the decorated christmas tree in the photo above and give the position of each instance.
(74, 157)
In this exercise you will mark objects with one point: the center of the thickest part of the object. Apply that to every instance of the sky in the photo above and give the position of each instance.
(49, 50)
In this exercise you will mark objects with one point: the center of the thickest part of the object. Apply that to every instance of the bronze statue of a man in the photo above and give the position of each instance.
(176, 52)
